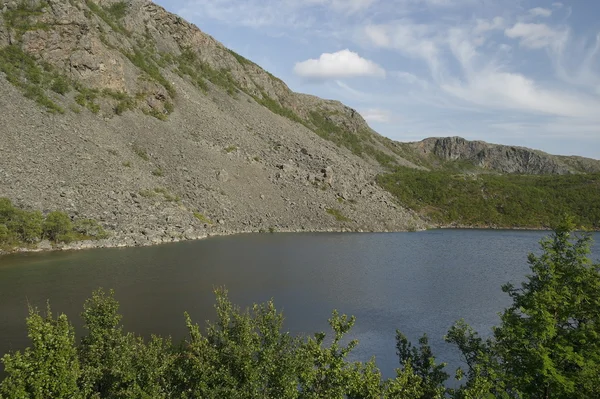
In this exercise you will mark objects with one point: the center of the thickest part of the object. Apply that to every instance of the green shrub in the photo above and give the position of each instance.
(89, 229)
(202, 218)
(141, 153)
(158, 172)
(57, 226)
(29, 226)
(24, 72)
(5, 234)
(60, 85)
(337, 214)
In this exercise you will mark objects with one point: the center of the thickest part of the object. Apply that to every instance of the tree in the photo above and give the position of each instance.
(28, 225)
(421, 362)
(549, 339)
(50, 368)
(548, 342)
(57, 225)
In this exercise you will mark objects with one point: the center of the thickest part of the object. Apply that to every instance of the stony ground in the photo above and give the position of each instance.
(219, 165)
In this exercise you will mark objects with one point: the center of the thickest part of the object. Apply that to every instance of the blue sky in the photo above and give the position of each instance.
(519, 72)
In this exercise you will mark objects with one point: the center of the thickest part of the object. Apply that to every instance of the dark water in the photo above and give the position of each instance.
(417, 282)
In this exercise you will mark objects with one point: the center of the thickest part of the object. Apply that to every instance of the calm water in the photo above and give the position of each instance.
(417, 282)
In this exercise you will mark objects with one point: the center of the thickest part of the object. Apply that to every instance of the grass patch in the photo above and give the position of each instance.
(277, 108)
(87, 98)
(23, 18)
(198, 71)
(231, 149)
(337, 214)
(167, 195)
(202, 218)
(110, 15)
(158, 172)
(145, 61)
(25, 73)
(127, 164)
(140, 153)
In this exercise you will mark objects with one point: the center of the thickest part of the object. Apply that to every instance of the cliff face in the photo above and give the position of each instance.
(500, 158)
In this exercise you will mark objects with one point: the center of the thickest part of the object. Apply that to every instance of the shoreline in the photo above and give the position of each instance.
(131, 242)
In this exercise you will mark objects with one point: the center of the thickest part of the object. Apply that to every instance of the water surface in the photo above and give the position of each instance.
(418, 282)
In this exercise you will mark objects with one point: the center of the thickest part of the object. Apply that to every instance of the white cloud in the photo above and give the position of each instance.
(540, 12)
(343, 64)
(484, 25)
(410, 78)
(376, 115)
(498, 89)
(536, 36)
(413, 40)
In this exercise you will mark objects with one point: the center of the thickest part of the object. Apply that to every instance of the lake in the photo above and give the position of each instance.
(418, 282)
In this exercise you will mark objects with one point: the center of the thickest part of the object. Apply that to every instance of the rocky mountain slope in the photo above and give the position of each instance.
(150, 126)
(125, 113)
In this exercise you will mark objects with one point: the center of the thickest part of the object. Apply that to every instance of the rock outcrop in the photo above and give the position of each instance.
(437, 152)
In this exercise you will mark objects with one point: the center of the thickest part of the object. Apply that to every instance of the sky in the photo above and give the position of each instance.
(517, 72)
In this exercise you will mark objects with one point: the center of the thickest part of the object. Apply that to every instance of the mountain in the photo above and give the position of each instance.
(127, 114)
(437, 153)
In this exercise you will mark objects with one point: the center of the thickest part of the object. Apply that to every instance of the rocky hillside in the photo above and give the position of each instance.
(448, 152)
(123, 112)
(127, 114)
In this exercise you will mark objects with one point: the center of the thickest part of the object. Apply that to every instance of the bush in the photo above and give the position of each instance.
(5, 235)
(58, 226)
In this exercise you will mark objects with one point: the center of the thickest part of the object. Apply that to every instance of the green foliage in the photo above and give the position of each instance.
(549, 338)
(60, 85)
(497, 200)
(166, 194)
(124, 101)
(421, 362)
(337, 214)
(57, 226)
(19, 227)
(146, 63)
(117, 10)
(111, 15)
(141, 153)
(200, 71)
(546, 345)
(242, 60)
(277, 108)
(202, 218)
(50, 367)
(87, 98)
(90, 229)
(24, 72)
(357, 142)
(23, 17)
(158, 172)
(231, 148)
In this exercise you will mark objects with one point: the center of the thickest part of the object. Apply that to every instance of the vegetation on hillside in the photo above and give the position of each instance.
(546, 346)
(497, 200)
(20, 228)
